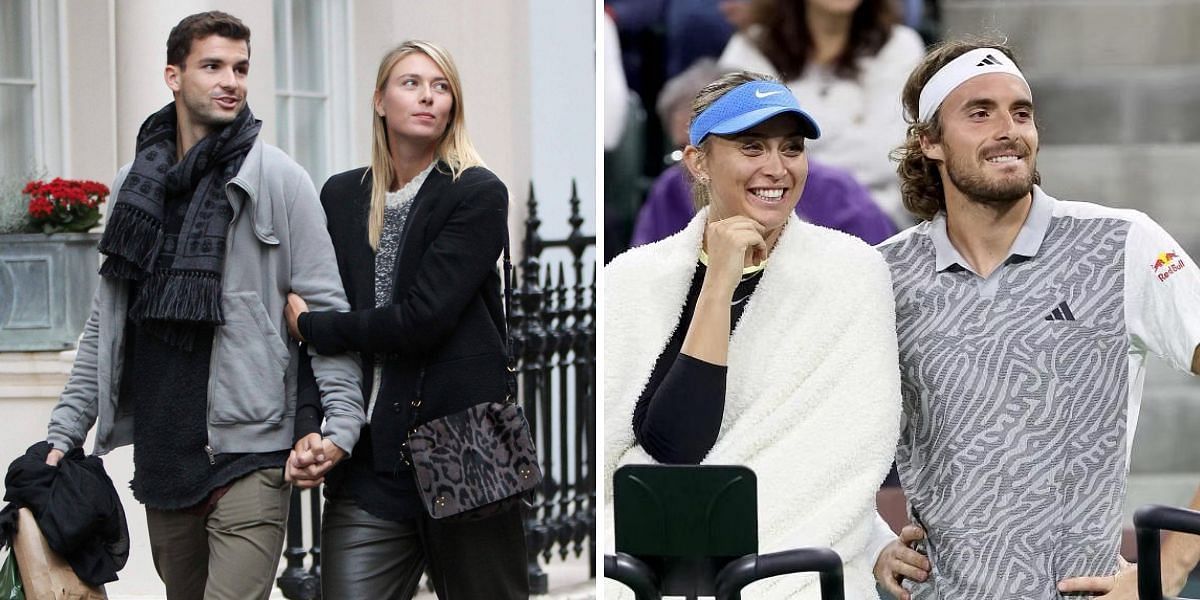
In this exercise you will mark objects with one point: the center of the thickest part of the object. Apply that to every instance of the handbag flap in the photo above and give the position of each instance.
(474, 457)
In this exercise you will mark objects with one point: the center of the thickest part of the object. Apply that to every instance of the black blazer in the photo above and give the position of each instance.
(442, 334)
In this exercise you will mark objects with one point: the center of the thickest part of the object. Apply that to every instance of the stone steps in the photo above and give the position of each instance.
(1174, 489)
(1118, 105)
(1102, 71)
(1159, 179)
(1168, 424)
(1062, 36)
(33, 375)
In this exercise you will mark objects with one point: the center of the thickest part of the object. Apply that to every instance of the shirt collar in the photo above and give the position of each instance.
(410, 189)
(1028, 241)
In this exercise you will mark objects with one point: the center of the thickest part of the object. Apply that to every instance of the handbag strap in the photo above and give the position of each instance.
(510, 361)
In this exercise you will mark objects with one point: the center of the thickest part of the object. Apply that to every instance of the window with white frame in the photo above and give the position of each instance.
(29, 98)
(311, 84)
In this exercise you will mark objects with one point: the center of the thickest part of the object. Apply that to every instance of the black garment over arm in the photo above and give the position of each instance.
(678, 415)
(76, 507)
(309, 412)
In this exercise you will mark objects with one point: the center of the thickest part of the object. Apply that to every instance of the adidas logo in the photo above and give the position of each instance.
(989, 60)
(1061, 313)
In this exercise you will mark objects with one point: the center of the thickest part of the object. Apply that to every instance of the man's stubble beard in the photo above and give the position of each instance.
(979, 188)
(201, 112)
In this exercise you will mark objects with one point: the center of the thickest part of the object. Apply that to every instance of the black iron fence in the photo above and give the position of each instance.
(553, 324)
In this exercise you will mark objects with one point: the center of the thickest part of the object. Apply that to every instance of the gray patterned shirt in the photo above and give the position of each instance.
(1021, 391)
(395, 215)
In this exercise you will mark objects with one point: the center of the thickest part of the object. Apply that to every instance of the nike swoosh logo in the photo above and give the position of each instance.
(758, 94)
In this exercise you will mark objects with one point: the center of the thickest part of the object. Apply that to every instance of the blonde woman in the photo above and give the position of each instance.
(417, 236)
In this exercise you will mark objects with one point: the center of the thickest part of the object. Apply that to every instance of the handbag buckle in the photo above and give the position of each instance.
(510, 385)
(405, 454)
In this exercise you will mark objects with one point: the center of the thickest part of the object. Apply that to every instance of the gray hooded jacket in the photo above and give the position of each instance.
(277, 242)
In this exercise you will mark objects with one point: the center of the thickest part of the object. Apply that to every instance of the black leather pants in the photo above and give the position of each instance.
(364, 556)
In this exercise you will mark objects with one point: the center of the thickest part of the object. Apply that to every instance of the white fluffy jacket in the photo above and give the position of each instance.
(812, 402)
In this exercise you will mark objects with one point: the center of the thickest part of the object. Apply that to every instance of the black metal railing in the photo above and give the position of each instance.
(553, 325)
(297, 581)
(554, 334)
(1150, 522)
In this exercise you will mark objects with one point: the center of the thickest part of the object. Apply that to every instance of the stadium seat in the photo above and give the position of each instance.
(693, 531)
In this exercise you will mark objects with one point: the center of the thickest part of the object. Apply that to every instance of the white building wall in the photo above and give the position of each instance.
(508, 53)
(562, 91)
(488, 41)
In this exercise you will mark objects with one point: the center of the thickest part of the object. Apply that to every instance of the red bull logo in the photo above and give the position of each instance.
(1169, 263)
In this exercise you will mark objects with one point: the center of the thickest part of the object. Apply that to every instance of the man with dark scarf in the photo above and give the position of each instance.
(185, 354)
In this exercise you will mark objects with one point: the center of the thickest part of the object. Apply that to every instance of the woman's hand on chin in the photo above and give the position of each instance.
(729, 242)
(296, 306)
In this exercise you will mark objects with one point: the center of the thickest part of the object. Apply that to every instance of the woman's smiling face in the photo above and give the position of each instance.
(758, 173)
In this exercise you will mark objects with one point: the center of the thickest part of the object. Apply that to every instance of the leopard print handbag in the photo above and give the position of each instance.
(480, 461)
(474, 463)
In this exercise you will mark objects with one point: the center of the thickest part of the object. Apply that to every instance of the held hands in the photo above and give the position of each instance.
(296, 306)
(1122, 586)
(732, 243)
(311, 459)
(900, 561)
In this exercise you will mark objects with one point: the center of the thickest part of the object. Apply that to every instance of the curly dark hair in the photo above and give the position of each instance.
(704, 99)
(920, 182)
(787, 42)
(199, 26)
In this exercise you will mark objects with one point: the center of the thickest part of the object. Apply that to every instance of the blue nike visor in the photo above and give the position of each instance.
(747, 105)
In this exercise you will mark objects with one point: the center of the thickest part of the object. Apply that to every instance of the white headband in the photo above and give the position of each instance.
(980, 61)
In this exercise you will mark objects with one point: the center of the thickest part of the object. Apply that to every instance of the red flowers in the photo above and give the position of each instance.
(65, 204)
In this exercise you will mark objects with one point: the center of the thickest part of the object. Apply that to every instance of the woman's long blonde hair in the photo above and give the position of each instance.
(454, 148)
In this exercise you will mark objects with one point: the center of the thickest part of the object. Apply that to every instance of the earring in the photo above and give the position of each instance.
(705, 193)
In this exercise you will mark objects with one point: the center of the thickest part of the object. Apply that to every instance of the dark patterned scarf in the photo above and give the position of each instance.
(181, 287)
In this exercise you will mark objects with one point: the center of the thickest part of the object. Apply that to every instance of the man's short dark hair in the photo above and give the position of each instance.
(200, 26)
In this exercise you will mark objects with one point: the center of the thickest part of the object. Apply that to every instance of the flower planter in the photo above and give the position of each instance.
(46, 288)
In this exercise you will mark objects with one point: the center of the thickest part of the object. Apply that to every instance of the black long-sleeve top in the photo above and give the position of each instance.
(678, 415)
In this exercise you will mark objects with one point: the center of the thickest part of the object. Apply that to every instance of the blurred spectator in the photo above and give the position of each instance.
(695, 29)
(846, 60)
(674, 104)
(616, 92)
(634, 15)
(831, 198)
(690, 30)
(738, 13)
(640, 27)
(914, 13)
